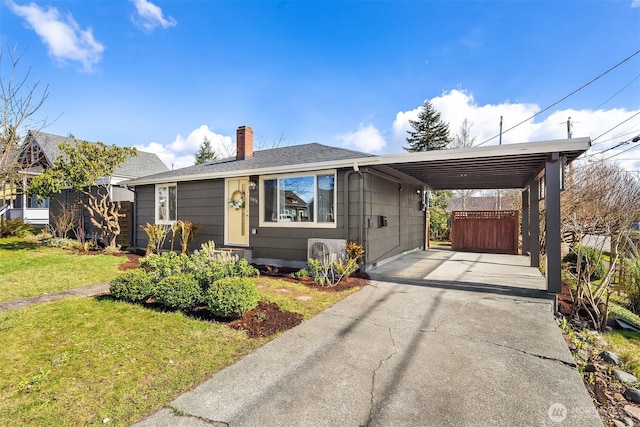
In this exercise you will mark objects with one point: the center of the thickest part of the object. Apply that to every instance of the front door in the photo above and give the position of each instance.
(237, 212)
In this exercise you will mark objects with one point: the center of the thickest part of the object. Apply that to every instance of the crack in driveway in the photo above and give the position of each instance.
(178, 413)
(539, 356)
(375, 372)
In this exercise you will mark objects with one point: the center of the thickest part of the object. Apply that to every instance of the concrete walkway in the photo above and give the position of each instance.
(81, 291)
(411, 349)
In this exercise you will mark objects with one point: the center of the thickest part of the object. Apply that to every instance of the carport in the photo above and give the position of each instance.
(535, 168)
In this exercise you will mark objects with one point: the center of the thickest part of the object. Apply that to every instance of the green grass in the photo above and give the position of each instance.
(285, 294)
(627, 345)
(28, 269)
(82, 360)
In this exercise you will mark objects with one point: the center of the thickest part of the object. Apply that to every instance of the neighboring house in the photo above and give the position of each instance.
(276, 203)
(41, 153)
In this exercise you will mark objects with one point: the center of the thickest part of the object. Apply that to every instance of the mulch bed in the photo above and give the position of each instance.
(356, 280)
(267, 318)
(133, 261)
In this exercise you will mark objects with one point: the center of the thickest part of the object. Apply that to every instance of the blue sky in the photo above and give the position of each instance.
(162, 75)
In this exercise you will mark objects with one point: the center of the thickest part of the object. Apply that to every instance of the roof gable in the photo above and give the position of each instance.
(144, 163)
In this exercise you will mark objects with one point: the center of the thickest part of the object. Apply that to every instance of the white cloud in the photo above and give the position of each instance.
(635, 3)
(367, 138)
(149, 16)
(456, 105)
(63, 36)
(181, 151)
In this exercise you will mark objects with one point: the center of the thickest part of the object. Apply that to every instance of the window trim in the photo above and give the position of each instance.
(294, 224)
(156, 207)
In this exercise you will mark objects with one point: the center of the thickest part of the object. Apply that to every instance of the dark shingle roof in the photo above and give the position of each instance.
(144, 163)
(264, 159)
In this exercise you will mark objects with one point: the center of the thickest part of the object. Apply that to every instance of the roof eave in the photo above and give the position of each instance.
(336, 164)
(552, 146)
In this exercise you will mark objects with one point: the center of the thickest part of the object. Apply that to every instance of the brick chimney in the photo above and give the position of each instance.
(244, 142)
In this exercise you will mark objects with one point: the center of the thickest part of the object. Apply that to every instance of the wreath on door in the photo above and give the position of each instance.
(237, 200)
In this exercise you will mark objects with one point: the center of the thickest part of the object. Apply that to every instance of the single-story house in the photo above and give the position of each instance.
(40, 152)
(279, 203)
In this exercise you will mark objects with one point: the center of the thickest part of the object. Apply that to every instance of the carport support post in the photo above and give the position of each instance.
(552, 198)
(525, 221)
(534, 223)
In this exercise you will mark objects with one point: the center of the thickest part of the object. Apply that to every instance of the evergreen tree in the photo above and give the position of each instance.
(429, 131)
(205, 153)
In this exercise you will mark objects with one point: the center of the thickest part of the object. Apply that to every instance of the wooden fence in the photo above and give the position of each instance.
(485, 231)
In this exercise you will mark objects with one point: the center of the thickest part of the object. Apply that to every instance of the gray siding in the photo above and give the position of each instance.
(291, 243)
(203, 203)
(400, 203)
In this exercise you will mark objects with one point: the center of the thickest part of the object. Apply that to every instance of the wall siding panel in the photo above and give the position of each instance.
(203, 202)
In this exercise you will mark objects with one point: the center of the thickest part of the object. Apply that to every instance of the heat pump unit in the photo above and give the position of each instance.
(326, 250)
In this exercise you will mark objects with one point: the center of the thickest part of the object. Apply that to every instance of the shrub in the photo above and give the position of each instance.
(232, 297)
(211, 273)
(632, 284)
(168, 264)
(14, 228)
(242, 268)
(590, 261)
(299, 274)
(178, 292)
(319, 270)
(57, 242)
(132, 285)
(355, 251)
(157, 233)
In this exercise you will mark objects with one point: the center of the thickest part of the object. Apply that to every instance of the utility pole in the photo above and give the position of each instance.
(500, 141)
(569, 126)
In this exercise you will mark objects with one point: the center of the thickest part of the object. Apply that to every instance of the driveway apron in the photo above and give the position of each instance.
(438, 339)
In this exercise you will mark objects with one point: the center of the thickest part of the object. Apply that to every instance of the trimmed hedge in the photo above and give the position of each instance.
(232, 297)
(178, 292)
(132, 286)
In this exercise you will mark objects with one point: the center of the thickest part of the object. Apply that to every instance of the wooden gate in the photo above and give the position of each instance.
(485, 231)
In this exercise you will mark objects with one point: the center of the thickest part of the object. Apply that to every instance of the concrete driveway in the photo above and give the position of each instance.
(415, 348)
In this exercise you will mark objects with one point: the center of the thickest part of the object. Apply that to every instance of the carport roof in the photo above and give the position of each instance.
(492, 167)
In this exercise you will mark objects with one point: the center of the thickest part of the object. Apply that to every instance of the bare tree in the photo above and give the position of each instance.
(464, 139)
(21, 99)
(602, 202)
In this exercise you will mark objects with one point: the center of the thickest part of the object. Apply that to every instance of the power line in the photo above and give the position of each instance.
(615, 137)
(619, 124)
(622, 152)
(635, 139)
(563, 98)
(618, 92)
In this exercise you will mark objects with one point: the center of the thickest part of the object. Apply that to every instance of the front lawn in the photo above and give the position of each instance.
(28, 269)
(85, 361)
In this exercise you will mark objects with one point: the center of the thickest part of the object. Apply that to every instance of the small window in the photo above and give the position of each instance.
(299, 200)
(166, 203)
